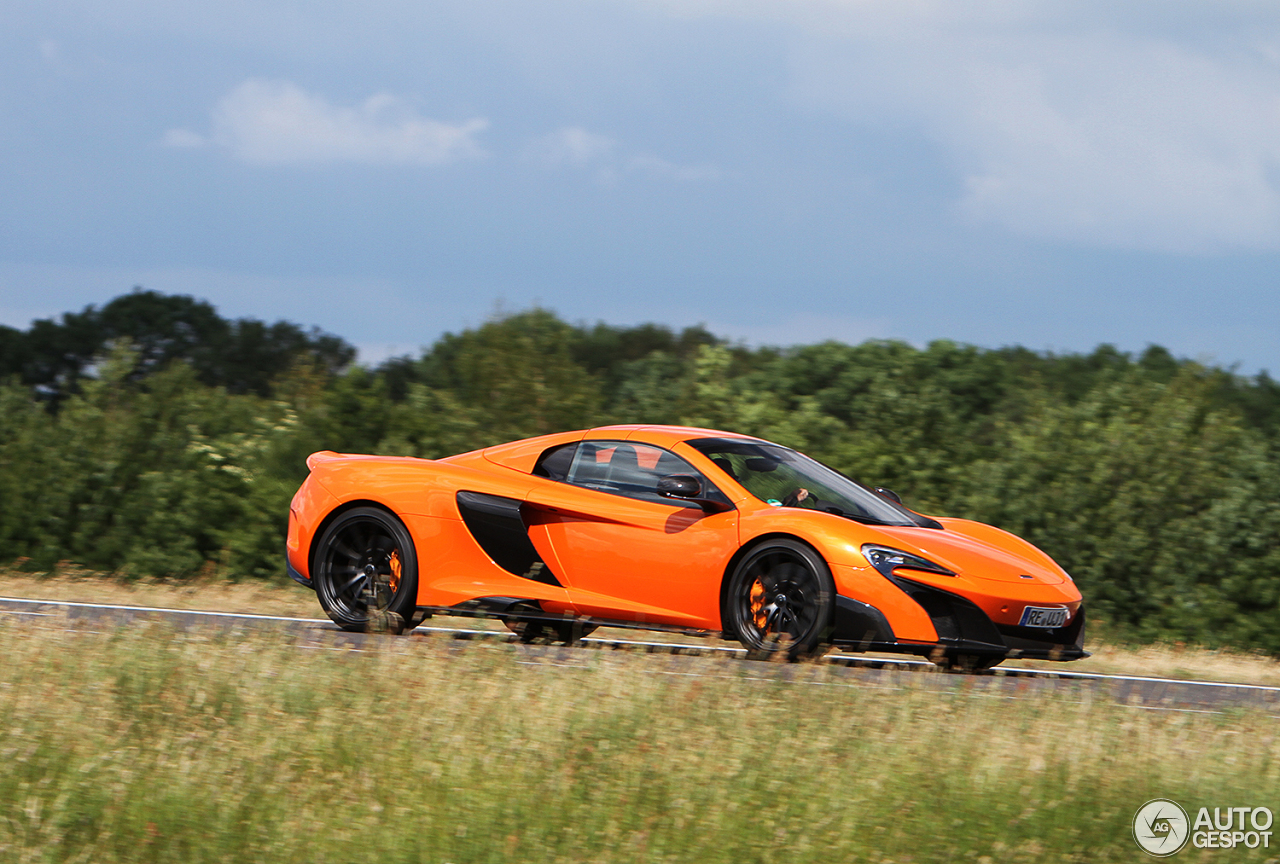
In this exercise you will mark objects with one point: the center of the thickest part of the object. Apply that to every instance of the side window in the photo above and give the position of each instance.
(631, 469)
(554, 463)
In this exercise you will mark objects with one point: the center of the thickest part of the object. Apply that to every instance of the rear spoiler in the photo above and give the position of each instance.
(318, 458)
(322, 456)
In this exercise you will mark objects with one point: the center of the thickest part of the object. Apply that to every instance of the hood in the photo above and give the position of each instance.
(977, 551)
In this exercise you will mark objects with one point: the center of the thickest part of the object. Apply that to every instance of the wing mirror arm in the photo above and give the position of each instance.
(688, 488)
(888, 493)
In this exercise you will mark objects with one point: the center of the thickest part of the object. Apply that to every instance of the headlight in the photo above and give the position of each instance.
(887, 559)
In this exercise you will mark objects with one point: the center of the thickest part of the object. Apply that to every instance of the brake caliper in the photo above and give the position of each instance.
(758, 614)
(394, 563)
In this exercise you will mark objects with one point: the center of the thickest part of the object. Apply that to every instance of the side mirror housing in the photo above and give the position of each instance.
(680, 486)
(688, 488)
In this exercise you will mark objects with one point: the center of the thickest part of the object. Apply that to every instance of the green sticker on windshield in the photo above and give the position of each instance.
(774, 501)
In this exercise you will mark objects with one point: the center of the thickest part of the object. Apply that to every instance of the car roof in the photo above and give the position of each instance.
(659, 434)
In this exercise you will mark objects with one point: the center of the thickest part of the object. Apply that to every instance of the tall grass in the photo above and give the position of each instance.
(149, 744)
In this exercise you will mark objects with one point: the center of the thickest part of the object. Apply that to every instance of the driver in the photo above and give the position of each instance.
(794, 499)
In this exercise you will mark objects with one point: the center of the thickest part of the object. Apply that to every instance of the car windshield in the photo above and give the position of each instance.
(785, 478)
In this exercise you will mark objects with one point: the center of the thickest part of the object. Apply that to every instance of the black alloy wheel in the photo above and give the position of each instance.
(779, 602)
(366, 571)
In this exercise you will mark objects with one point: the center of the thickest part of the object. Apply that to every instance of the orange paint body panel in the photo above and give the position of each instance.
(910, 622)
(637, 559)
(311, 503)
(521, 455)
(454, 569)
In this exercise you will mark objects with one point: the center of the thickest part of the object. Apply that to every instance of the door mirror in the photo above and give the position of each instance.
(888, 493)
(686, 487)
(679, 486)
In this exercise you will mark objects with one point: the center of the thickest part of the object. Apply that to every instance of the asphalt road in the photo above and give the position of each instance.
(691, 658)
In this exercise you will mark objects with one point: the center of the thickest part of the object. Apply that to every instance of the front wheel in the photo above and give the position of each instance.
(366, 571)
(779, 601)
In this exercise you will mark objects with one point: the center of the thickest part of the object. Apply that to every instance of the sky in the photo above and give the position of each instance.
(1050, 174)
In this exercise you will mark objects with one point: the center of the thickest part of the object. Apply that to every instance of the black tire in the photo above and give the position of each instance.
(533, 631)
(966, 662)
(366, 571)
(778, 602)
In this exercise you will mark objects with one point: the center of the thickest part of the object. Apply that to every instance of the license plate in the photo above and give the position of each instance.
(1039, 616)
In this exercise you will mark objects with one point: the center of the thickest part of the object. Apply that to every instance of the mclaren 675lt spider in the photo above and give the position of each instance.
(662, 527)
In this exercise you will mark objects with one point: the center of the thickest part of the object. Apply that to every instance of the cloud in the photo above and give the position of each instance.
(657, 167)
(1149, 126)
(182, 138)
(278, 123)
(574, 146)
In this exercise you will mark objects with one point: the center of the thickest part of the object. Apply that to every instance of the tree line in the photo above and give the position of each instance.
(244, 356)
(160, 444)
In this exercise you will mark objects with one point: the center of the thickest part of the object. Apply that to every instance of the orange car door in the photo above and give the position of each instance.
(626, 552)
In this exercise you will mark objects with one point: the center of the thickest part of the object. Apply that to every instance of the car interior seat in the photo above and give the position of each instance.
(624, 467)
(724, 465)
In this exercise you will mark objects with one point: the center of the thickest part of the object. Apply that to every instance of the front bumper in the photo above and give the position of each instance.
(962, 628)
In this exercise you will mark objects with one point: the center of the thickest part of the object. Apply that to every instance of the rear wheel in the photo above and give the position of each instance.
(366, 571)
(779, 601)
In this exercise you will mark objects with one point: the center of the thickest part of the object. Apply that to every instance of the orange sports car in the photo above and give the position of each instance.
(663, 527)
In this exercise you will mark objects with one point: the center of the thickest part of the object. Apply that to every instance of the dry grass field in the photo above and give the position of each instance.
(147, 744)
(218, 595)
(288, 599)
